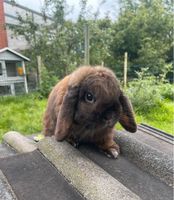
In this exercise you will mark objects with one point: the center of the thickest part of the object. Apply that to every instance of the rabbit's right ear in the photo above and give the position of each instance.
(66, 113)
(127, 119)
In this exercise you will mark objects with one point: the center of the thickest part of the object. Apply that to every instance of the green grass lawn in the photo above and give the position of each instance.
(24, 114)
(21, 113)
(161, 118)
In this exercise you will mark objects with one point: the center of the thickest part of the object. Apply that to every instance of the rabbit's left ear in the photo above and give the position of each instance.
(127, 119)
(66, 113)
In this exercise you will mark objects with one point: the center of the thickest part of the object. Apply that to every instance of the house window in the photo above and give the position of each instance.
(0, 69)
(11, 69)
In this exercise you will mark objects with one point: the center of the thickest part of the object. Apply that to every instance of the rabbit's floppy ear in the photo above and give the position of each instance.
(66, 113)
(127, 119)
(70, 99)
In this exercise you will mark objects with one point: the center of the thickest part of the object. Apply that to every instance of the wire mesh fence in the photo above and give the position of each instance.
(17, 88)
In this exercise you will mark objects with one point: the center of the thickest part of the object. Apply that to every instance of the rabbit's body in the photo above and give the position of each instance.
(84, 107)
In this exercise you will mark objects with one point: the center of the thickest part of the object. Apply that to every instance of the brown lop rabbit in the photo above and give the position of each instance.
(85, 106)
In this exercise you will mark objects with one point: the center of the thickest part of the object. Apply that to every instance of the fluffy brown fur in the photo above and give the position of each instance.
(85, 106)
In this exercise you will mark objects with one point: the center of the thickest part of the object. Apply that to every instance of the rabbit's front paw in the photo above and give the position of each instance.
(113, 152)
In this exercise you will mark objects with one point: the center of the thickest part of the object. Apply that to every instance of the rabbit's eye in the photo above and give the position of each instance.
(89, 97)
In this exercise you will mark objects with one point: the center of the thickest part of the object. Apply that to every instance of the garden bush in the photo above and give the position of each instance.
(48, 81)
(167, 91)
(148, 93)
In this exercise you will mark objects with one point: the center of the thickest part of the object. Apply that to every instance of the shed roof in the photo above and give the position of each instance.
(14, 52)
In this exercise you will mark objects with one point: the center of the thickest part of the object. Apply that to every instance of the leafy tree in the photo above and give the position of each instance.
(144, 30)
(59, 43)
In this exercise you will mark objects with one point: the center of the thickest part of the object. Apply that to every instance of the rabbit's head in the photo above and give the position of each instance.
(94, 100)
